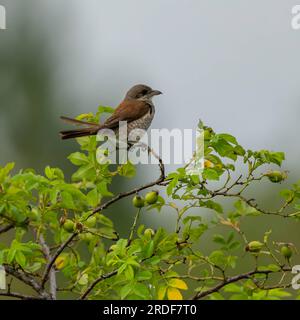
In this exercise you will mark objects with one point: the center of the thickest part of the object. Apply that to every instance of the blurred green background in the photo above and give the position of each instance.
(234, 67)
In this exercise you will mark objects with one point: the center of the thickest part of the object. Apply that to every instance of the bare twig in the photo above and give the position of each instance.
(27, 279)
(134, 225)
(52, 276)
(6, 228)
(93, 284)
(54, 257)
(227, 281)
(19, 296)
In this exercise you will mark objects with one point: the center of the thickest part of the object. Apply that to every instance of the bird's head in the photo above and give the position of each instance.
(141, 92)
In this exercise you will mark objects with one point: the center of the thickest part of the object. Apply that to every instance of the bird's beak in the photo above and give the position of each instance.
(155, 93)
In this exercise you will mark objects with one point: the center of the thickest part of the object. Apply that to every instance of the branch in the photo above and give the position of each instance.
(18, 295)
(27, 280)
(54, 257)
(134, 226)
(101, 278)
(11, 225)
(52, 277)
(6, 228)
(242, 276)
(136, 190)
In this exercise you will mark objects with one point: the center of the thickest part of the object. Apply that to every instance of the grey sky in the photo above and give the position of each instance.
(233, 64)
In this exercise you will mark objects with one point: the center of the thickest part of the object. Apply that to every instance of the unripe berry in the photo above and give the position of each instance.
(151, 197)
(254, 246)
(138, 202)
(286, 251)
(69, 225)
(276, 176)
(208, 133)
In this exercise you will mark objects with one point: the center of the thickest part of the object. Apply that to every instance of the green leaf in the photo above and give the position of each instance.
(277, 157)
(279, 293)
(11, 255)
(129, 272)
(84, 279)
(54, 173)
(143, 275)
(141, 290)
(78, 158)
(105, 221)
(49, 173)
(232, 287)
(266, 236)
(218, 257)
(127, 170)
(210, 174)
(67, 200)
(192, 219)
(102, 189)
(172, 184)
(87, 172)
(5, 171)
(105, 109)
(271, 267)
(20, 259)
(93, 198)
(227, 137)
(211, 205)
(154, 260)
(287, 194)
(222, 147)
(125, 290)
(219, 239)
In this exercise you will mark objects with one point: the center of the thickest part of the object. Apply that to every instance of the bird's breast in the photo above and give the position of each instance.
(143, 122)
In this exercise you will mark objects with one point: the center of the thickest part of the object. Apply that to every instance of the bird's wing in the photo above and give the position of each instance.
(128, 110)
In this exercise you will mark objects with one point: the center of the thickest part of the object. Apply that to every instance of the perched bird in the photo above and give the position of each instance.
(137, 109)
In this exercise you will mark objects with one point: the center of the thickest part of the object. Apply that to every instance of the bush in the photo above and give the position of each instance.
(52, 219)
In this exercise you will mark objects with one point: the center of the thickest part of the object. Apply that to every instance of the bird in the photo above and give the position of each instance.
(137, 109)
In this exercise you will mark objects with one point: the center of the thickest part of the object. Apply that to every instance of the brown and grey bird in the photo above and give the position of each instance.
(137, 109)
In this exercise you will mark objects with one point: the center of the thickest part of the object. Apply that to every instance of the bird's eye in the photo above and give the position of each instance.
(143, 93)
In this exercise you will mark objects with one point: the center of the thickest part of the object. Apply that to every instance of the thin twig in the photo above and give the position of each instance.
(54, 257)
(101, 278)
(30, 281)
(19, 296)
(134, 225)
(7, 228)
(52, 276)
(242, 276)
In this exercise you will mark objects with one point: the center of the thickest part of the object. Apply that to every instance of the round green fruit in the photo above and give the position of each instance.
(69, 225)
(254, 246)
(286, 251)
(208, 133)
(138, 202)
(276, 176)
(151, 197)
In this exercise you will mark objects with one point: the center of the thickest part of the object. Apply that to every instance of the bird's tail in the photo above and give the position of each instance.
(92, 129)
(69, 134)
